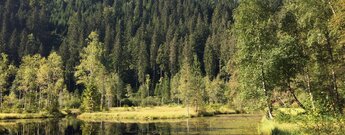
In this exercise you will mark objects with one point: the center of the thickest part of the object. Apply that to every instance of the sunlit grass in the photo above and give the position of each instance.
(153, 113)
(282, 123)
(269, 127)
(140, 113)
(292, 111)
(23, 115)
(219, 109)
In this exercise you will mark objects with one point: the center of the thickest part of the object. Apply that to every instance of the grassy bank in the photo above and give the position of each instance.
(272, 127)
(139, 113)
(150, 113)
(284, 123)
(290, 121)
(24, 115)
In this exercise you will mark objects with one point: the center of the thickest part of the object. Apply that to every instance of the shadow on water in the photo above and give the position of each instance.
(224, 124)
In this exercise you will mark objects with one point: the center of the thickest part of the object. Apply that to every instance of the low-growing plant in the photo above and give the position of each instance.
(150, 101)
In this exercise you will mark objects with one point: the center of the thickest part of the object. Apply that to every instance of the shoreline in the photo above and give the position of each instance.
(9, 116)
(151, 113)
(126, 113)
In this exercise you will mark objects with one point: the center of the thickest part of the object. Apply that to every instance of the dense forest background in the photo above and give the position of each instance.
(101, 53)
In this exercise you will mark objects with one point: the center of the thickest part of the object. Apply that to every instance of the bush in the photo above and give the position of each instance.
(69, 100)
(10, 104)
(323, 124)
(135, 101)
(289, 114)
(282, 117)
(150, 101)
(127, 102)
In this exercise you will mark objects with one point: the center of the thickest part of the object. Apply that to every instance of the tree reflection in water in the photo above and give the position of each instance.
(72, 126)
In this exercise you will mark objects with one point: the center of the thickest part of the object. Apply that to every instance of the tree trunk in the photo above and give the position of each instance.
(337, 103)
(1, 99)
(196, 106)
(102, 100)
(39, 99)
(24, 104)
(188, 110)
(47, 102)
(268, 100)
(102, 92)
(154, 77)
(309, 90)
(294, 96)
(109, 101)
(282, 102)
(20, 96)
(187, 126)
(188, 107)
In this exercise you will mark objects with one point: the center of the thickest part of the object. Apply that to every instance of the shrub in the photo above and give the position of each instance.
(150, 101)
(127, 102)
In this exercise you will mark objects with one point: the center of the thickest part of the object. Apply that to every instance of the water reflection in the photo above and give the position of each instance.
(227, 124)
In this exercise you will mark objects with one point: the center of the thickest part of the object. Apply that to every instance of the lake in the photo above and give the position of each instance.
(221, 124)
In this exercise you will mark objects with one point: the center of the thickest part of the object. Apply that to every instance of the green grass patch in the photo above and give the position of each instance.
(324, 124)
(272, 127)
(140, 113)
(152, 113)
(291, 111)
(4, 116)
(214, 109)
(298, 121)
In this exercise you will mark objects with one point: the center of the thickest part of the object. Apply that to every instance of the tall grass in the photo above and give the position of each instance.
(24, 115)
(140, 113)
(153, 113)
(272, 127)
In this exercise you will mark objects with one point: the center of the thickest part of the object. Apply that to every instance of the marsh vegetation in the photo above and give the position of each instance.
(175, 59)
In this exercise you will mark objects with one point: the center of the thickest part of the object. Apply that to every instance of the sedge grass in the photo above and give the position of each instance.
(269, 127)
(153, 113)
(140, 113)
(24, 115)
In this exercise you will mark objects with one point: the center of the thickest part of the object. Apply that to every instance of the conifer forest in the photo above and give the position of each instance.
(247, 55)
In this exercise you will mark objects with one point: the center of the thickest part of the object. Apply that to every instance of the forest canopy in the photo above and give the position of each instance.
(97, 54)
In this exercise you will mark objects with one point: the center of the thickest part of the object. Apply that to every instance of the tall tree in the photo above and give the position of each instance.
(173, 54)
(255, 42)
(91, 73)
(5, 72)
(50, 81)
(313, 20)
(113, 88)
(191, 85)
(25, 82)
(71, 47)
(210, 58)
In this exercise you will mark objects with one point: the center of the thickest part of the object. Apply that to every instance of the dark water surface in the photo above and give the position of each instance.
(222, 124)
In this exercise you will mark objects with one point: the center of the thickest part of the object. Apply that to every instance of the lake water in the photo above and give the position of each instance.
(222, 124)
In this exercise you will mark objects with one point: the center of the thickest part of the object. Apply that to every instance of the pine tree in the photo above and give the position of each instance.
(173, 55)
(191, 85)
(113, 89)
(71, 47)
(13, 46)
(6, 70)
(210, 59)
